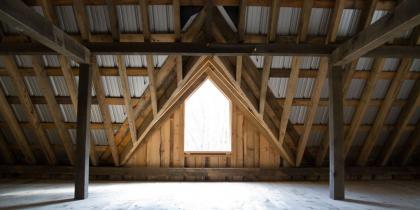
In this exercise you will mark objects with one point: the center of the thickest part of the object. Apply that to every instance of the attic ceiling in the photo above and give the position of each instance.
(377, 95)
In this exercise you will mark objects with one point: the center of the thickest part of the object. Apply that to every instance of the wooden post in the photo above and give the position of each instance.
(83, 137)
(336, 135)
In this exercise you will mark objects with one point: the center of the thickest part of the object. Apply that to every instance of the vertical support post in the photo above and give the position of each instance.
(336, 129)
(83, 137)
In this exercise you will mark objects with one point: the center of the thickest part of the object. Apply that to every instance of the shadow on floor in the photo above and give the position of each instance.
(35, 205)
(376, 204)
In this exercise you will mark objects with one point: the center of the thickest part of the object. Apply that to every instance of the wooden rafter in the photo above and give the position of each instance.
(47, 90)
(304, 20)
(264, 82)
(413, 143)
(152, 83)
(4, 149)
(335, 21)
(144, 12)
(81, 19)
(112, 10)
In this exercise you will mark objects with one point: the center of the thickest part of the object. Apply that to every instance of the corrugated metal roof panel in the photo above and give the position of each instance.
(43, 113)
(51, 61)
(53, 136)
(309, 62)
(315, 138)
(227, 18)
(19, 113)
(356, 88)
(129, 18)
(189, 22)
(59, 85)
(159, 60)
(364, 64)
(98, 18)
(278, 86)
(112, 86)
(370, 115)
(73, 135)
(137, 85)
(297, 114)
(288, 20)
(99, 136)
(282, 62)
(405, 89)
(117, 113)
(135, 60)
(393, 114)
(95, 114)
(68, 113)
(348, 113)
(391, 64)
(66, 19)
(416, 65)
(321, 116)
(348, 23)
(256, 19)
(360, 138)
(106, 60)
(318, 22)
(378, 14)
(23, 61)
(258, 60)
(161, 18)
(32, 86)
(8, 87)
(304, 87)
(416, 116)
(381, 88)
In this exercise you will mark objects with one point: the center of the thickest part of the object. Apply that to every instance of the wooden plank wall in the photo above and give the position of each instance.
(164, 148)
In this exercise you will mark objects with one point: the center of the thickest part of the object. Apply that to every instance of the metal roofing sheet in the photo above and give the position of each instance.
(112, 86)
(129, 18)
(98, 18)
(364, 63)
(378, 14)
(258, 60)
(51, 61)
(227, 18)
(281, 62)
(315, 138)
(59, 85)
(381, 88)
(297, 114)
(53, 136)
(8, 87)
(137, 85)
(416, 116)
(161, 18)
(391, 64)
(319, 20)
(73, 135)
(23, 61)
(348, 113)
(135, 60)
(106, 60)
(288, 20)
(95, 114)
(393, 114)
(370, 115)
(32, 86)
(321, 116)
(256, 19)
(415, 66)
(356, 88)
(405, 89)
(278, 86)
(99, 136)
(43, 113)
(348, 23)
(66, 19)
(19, 113)
(68, 113)
(325, 89)
(304, 87)
(309, 62)
(360, 138)
(117, 112)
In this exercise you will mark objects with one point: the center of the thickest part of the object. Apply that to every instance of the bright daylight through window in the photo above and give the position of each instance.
(207, 120)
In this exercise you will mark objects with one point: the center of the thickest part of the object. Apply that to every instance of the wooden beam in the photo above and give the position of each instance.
(336, 133)
(238, 72)
(179, 72)
(290, 93)
(404, 17)
(413, 143)
(152, 83)
(241, 20)
(47, 90)
(29, 108)
(407, 112)
(106, 116)
(362, 107)
(304, 20)
(383, 112)
(25, 19)
(127, 98)
(6, 112)
(274, 17)
(81, 19)
(177, 19)
(367, 14)
(310, 116)
(112, 11)
(144, 12)
(264, 83)
(83, 137)
(5, 151)
(335, 21)
(47, 8)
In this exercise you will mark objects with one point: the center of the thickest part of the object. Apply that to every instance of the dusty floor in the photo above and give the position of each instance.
(30, 194)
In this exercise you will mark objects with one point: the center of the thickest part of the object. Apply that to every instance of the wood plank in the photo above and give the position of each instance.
(383, 111)
(83, 137)
(363, 106)
(413, 143)
(127, 98)
(304, 20)
(29, 109)
(47, 90)
(336, 133)
(290, 93)
(152, 83)
(144, 21)
(112, 11)
(264, 83)
(7, 114)
(407, 112)
(179, 71)
(335, 21)
(239, 69)
(367, 14)
(177, 19)
(81, 19)
(18, 15)
(310, 116)
(404, 17)
(274, 17)
(241, 20)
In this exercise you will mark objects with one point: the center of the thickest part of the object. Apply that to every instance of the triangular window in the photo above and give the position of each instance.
(207, 125)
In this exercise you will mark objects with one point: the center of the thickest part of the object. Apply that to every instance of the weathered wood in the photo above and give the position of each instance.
(241, 20)
(238, 72)
(335, 21)
(5, 151)
(29, 108)
(25, 19)
(413, 143)
(112, 11)
(152, 83)
(144, 11)
(83, 137)
(81, 19)
(264, 83)
(367, 14)
(310, 116)
(47, 90)
(274, 17)
(304, 20)
(336, 133)
(404, 17)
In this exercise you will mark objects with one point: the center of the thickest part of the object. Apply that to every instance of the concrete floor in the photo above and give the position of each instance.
(30, 194)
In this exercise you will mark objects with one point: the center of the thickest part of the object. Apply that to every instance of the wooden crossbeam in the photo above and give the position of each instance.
(264, 82)
(290, 93)
(112, 11)
(310, 116)
(383, 111)
(413, 143)
(335, 21)
(6, 112)
(367, 14)
(144, 12)
(81, 19)
(238, 72)
(152, 83)
(17, 15)
(127, 97)
(5, 151)
(29, 109)
(241, 20)
(403, 119)
(362, 108)
(47, 90)
(304, 20)
(404, 17)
